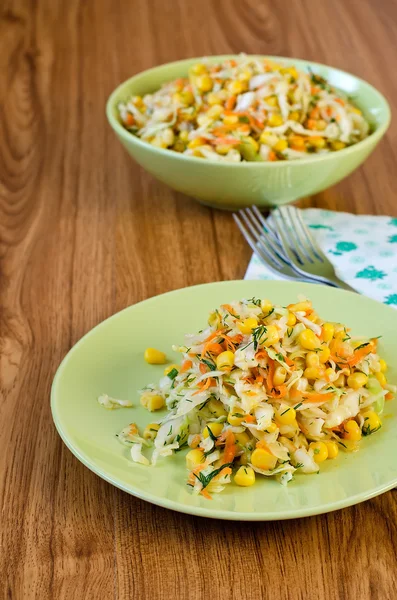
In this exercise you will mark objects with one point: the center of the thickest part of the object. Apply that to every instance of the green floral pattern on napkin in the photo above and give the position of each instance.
(363, 249)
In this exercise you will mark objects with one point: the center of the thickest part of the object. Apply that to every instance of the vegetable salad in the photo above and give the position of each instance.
(248, 109)
(264, 390)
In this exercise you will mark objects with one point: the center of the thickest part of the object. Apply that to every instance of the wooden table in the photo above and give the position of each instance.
(84, 232)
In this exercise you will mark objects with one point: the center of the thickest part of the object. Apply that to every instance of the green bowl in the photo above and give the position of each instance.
(231, 185)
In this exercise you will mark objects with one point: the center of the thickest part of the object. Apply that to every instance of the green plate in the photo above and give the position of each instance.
(110, 359)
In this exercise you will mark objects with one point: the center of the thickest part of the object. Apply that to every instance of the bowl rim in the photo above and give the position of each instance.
(311, 159)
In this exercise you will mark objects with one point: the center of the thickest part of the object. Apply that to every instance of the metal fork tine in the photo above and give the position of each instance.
(270, 239)
(298, 227)
(315, 248)
(265, 224)
(284, 228)
(258, 239)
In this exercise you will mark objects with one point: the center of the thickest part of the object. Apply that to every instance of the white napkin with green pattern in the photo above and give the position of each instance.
(362, 248)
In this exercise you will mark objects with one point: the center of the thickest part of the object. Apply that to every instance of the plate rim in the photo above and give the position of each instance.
(199, 510)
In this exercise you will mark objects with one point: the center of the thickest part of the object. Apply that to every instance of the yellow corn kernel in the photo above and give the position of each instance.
(245, 476)
(340, 382)
(230, 120)
(324, 354)
(204, 83)
(286, 417)
(332, 448)
(268, 138)
(352, 431)
(222, 149)
(154, 357)
(320, 451)
(235, 418)
(247, 325)
(271, 101)
(330, 374)
(242, 438)
(198, 69)
(271, 428)
(312, 359)
(291, 320)
(252, 143)
(294, 115)
(245, 75)
(150, 431)
(383, 365)
(177, 98)
(184, 136)
(356, 110)
(290, 71)
(309, 340)
(297, 142)
(303, 306)
(152, 401)
(194, 458)
(381, 378)
(262, 459)
(279, 375)
(266, 306)
(337, 145)
(214, 99)
(357, 380)
(215, 428)
(317, 142)
(214, 319)
(280, 145)
(225, 361)
(312, 373)
(171, 368)
(272, 336)
(179, 146)
(187, 97)
(237, 87)
(216, 408)
(372, 422)
(328, 332)
(275, 120)
(215, 111)
(196, 143)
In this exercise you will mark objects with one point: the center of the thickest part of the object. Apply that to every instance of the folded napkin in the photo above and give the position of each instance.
(362, 248)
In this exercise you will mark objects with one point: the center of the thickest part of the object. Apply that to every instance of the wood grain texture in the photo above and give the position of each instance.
(85, 232)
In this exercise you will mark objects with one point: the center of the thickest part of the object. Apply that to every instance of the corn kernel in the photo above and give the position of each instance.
(383, 365)
(309, 340)
(332, 448)
(280, 145)
(266, 306)
(275, 120)
(317, 142)
(352, 431)
(290, 71)
(294, 115)
(340, 381)
(291, 320)
(215, 111)
(214, 99)
(184, 136)
(235, 418)
(271, 428)
(372, 422)
(154, 357)
(247, 325)
(337, 145)
(204, 83)
(171, 368)
(272, 336)
(357, 380)
(381, 378)
(312, 359)
(150, 431)
(279, 375)
(312, 373)
(222, 149)
(324, 354)
(216, 408)
(215, 428)
(320, 451)
(214, 319)
(297, 142)
(187, 97)
(194, 458)
(330, 374)
(286, 417)
(262, 459)
(152, 401)
(245, 476)
(242, 438)
(238, 87)
(321, 125)
(230, 120)
(196, 143)
(225, 361)
(328, 332)
(198, 69)
(303, 306)
(271, 101)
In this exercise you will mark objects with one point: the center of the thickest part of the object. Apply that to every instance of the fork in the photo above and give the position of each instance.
(286, 246)
(258, 233)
